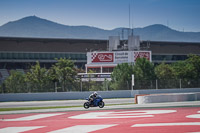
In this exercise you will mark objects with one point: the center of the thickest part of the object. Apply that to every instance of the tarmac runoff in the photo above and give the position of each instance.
(55, 103)
(127, 106)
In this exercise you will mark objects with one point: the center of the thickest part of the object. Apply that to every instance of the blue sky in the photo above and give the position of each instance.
(107, 14)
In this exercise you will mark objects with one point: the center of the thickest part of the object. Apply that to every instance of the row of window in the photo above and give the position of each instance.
(76, 56)
(104, 70)
(169, 57)
(43, 56)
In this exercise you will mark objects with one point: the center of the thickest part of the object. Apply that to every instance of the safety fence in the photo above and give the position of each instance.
(106, 85)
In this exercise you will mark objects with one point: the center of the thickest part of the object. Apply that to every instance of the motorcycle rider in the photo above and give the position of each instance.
(92, 97)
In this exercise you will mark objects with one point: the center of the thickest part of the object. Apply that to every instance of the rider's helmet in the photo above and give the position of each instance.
(95, 93)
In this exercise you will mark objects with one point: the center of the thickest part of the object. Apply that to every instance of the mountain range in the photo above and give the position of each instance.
(35, 27)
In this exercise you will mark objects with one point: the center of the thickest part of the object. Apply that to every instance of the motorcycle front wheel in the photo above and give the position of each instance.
(101, 104)
(86, 105)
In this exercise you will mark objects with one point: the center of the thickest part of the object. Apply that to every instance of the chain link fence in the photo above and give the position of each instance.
(143, 84)
(104, 86)
(167, 84)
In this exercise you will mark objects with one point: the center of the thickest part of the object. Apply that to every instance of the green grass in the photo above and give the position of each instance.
(54, 107)
(34, 108)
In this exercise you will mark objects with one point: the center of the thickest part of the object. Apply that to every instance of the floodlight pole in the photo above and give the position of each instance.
(132, 84)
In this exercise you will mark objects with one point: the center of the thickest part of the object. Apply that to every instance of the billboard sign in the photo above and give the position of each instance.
(123, 57)
(85, 77)
(101, 57)
(116, 57)
(142, 54)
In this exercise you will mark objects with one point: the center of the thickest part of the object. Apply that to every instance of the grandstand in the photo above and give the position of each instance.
(20, 53)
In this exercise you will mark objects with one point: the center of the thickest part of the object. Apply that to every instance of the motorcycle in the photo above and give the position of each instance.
(98, 101)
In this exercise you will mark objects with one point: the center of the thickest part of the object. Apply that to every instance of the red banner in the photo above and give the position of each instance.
(102, 57)
(146, 55)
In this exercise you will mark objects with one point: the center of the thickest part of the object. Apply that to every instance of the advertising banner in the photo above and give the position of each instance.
(102, 57)
(123, 57)
(116, 57)
(142, 54)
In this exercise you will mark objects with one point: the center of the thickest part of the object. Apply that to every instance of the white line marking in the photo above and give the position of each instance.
(194, 115)
(18, 129)
(121, 114)
(33, 117)
(167, 124)
(82, 128)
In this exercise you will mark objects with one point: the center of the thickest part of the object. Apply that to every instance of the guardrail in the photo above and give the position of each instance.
(168, 97)
(82, 95)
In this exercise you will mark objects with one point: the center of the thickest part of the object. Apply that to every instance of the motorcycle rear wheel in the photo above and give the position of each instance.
(86, 105)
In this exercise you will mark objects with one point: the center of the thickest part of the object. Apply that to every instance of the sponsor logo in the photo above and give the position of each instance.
(142, 55)
(102, 57)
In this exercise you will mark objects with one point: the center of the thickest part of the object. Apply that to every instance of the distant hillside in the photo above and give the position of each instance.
(33, 26)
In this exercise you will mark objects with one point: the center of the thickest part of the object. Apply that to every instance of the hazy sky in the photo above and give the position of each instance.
(107, 14)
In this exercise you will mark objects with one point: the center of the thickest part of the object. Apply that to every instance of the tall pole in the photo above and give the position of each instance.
(129, 19)
(133, 82)
(129, 16)
(156, 84)
(81, 85)
(56, 89)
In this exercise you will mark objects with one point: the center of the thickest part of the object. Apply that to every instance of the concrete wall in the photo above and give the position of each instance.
(159, 91)
(168, 97)
(61, 95)
(83, 95)
(198, 96)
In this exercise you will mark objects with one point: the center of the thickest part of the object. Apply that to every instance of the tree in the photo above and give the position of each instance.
(121, 76)
(184, 70)
(165, 71)
(15, 83)
(37, 78)
(65, 72)
(144, 69)
(53, 78)
(92, 85)
(166, 75)
(105, 85)
(195, 61)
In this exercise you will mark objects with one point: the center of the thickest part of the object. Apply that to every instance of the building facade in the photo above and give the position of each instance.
(20, 53)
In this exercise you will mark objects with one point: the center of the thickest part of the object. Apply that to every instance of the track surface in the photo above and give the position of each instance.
(160, 120)
(60, 103)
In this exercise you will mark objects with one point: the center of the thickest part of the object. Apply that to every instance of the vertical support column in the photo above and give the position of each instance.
(86, 70)
(56, 87)
(81, 85)
(133, 82)
(107, 84)
(156, 84)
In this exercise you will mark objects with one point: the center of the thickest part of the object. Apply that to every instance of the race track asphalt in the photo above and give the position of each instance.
(126, 104)
(61, 103)
(154, 120)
